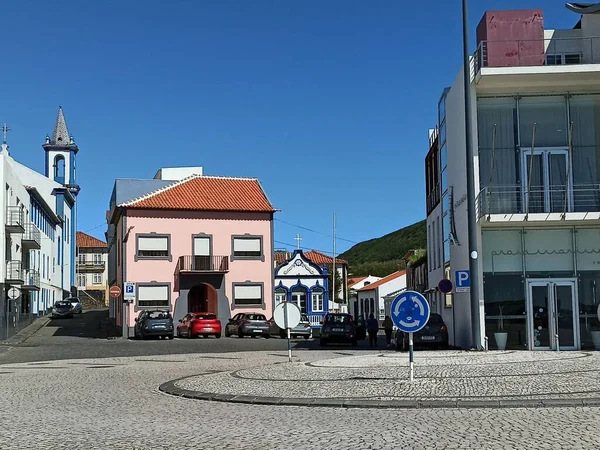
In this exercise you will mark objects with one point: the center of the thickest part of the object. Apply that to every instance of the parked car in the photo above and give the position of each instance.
(303, 329)
(75, 304)
(434, 334)
(62, 309)
(201, 323)
(338, 328)
(248, 324)
(153, 323)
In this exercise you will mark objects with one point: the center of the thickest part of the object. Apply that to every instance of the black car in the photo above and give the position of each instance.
(339, 328)
(154, 323)
(434, 334)
(62, 308)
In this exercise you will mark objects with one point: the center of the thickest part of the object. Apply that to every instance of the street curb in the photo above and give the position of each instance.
(170, 388)
(27, 332)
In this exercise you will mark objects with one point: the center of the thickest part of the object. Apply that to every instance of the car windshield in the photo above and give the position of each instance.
(303, 318)
(159, 315)
(64, 303)
(255, 317)
(205, 316)
(71, 299)
(435, 319)
(337, 318)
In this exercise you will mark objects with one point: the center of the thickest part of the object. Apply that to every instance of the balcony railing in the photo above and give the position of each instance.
(31, 280)
(521, 200)
(15, 219)
(14, 272)
(32, 238)
(193, 264)
(90, 265)
(539, 52)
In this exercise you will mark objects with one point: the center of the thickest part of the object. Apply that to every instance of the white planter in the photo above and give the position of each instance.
(596, 339)
(501, 339)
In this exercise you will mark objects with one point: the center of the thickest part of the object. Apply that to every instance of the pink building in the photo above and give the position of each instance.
(202, 243)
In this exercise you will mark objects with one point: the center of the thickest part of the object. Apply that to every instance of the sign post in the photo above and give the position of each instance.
(410, 313)
(115, 292)
(287, 316)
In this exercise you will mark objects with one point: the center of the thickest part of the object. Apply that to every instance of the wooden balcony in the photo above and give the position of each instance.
(202, 264)
(90, 266)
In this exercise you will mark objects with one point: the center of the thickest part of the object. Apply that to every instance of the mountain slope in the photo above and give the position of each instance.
(384, 254)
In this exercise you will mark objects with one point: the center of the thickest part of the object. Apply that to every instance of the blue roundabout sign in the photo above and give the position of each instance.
(410, 311)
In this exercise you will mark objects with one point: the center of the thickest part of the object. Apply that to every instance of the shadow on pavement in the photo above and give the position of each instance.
(92, 324)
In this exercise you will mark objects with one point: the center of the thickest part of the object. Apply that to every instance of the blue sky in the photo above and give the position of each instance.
(327, 102)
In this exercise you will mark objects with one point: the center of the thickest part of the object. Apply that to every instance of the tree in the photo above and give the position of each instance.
(338, 283)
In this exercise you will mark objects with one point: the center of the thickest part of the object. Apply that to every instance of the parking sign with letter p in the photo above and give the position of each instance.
(463, 281)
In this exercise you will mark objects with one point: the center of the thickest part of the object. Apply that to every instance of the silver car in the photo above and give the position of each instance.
(303, 329)
(75, 304)
(248, 324)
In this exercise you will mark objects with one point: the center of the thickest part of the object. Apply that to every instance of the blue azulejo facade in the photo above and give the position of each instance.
(304, 283)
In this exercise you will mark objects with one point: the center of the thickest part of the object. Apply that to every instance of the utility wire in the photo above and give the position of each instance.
(315, 231)
(295, 246)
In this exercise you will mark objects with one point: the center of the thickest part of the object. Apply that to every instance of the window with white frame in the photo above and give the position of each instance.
(97, 258)
(247, 295)
(153, 247)
(153, 295)
(81, 280)
(317, 300)
(280, 296)
(97, 278)
(247, 247)
(81, 258)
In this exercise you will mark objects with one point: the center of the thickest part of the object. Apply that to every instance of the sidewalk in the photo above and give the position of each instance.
(444, 379)
(26, 332)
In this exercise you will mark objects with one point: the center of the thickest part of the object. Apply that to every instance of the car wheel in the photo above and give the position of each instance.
(354, 343)
(227, 334)
(240, 334)
(205, 336)
(306, 337)
(322, 342)
(218, 335)
(282, 334)
(170, 336)
(267, 336)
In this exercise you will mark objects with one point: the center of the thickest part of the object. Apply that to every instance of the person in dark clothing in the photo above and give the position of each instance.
(372, 329)
(388, 326)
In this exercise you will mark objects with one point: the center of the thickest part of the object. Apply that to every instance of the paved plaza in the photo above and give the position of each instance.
(115, 403)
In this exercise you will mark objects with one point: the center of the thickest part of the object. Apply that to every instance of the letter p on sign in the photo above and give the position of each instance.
(463, 281)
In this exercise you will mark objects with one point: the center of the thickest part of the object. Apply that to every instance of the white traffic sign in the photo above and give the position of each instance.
(14, 293)
(410, 311)
(286, 315)
(129, 294)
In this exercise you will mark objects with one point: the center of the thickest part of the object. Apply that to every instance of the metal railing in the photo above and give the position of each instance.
(538, 52)
(31, 279)
(316, 319)
(90, 264)
(32, 235)
(521, 200)
(15, 218)
(14, 271)
(191, 263)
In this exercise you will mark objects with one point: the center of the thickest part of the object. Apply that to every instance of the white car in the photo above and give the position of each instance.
(77, 308)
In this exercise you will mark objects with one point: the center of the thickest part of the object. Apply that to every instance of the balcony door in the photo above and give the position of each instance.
(546, 186)
(201, 260)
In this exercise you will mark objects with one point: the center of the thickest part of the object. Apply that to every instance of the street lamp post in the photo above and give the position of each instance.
(471, 218)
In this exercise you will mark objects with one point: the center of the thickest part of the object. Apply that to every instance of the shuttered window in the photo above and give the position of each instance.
(155, 295)
(248, 295)
(153, 247)
(247, 247)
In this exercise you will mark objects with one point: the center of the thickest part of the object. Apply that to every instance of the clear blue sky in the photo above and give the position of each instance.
(327, 102)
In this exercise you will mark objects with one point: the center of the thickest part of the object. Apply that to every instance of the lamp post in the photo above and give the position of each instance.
(471, 216)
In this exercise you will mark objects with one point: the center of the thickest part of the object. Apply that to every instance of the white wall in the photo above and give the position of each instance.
(370, 279)
(177, 173)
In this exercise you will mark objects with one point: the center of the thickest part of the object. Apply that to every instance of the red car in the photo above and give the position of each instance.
(200, 323)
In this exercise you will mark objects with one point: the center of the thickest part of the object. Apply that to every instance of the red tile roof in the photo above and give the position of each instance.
(315, 256)
(85, 240)
(207, 193)
(376, 284)
(354, 280)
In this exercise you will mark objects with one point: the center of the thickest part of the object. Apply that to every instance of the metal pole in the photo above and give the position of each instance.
(472, 220)
(411, 358)
(286, 322)
(333, 272)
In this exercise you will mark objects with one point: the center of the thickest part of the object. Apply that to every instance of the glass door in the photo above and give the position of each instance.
(299, 298)
(545, 181)
(551, 320)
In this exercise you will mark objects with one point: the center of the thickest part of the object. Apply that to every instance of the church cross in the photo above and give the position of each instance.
(5, 130)
(298, 239)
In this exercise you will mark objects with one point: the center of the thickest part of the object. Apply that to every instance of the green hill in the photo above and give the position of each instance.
(382, 256)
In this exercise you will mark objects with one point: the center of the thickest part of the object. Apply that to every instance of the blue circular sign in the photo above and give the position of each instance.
(410, 311)
(445, 286)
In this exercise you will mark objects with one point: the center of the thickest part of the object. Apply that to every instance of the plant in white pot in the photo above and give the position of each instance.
(500, 335)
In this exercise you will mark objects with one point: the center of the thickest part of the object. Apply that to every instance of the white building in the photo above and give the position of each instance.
(535, 127)
(370, 298)
(38, 231)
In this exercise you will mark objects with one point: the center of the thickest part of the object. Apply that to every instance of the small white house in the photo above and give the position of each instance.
(370, 298)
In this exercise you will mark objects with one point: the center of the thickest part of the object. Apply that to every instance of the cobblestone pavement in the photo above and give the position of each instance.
(114, 403)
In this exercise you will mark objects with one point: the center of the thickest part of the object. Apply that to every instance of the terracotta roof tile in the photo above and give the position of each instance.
(315, 256)
(376, 284)
(354, 280)
(85, 240)
(207, 193)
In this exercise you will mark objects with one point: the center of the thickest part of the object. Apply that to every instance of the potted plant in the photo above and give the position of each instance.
(500, 335)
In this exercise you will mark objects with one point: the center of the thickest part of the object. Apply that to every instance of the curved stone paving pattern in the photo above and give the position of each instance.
(485, 379)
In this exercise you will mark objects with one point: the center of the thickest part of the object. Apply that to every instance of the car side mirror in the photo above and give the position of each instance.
(230, 320)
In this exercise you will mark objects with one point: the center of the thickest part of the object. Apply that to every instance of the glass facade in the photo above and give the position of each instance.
(445, 231)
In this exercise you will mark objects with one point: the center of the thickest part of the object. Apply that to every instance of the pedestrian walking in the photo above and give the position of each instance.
(388, 327)
(372, 329)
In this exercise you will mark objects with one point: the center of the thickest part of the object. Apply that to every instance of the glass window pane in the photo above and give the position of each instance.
(446, 226)
(550, 116)
(443, 132)
(442, 108)
(443, 156)
(446, 251)
(445, 203)
(444, 181)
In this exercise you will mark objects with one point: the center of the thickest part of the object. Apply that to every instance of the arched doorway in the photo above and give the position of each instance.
(203, 298)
